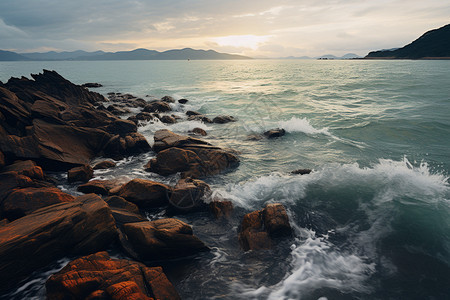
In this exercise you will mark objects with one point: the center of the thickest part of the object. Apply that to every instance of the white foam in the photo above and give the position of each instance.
(302, 125)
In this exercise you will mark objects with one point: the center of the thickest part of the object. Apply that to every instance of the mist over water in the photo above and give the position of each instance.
(372, 219)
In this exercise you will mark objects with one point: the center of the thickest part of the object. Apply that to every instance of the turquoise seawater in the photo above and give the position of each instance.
(372, 221)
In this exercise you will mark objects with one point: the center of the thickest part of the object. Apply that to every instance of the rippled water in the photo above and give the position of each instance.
(373, 219)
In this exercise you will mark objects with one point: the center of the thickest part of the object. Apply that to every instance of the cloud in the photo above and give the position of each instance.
(292, 25)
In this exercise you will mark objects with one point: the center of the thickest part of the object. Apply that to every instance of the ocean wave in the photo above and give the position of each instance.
(302, 125)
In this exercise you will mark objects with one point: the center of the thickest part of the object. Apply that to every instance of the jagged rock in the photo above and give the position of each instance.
(24, 201)
(221, 208)
(260, 227)
(223, 119)
(301, 171)
(83, 174)
(189, 195)
(91, 85)
(168, 119)
(273, 133)
(145, 193)
(168, 99)
(116, 202)
(166, 139)
(183, 101)
(106, 164)
(117, 110)
(118, 147)
(100, 187)
(199, 131)
(97, 276)
(27, 168)
(11, 181)
(157, 106)
(164, 238)
(82, 226)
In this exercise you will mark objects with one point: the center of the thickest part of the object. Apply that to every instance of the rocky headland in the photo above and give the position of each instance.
(48, 125)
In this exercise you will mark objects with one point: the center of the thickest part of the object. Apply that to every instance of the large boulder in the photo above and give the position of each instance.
(28, 168)
(146, 193)
(97, 276)
(82, 226)
(260, 228)
(82, 174)
(24, 201)
(165, 139)
(157, 106)
(223, 119)
(189, 195)
(164, 238)
(106, 164)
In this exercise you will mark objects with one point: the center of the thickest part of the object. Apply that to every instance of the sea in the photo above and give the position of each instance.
(372, 219)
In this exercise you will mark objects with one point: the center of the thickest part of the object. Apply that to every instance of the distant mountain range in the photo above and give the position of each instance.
(326, 56)
(138, 54)
(434, 44)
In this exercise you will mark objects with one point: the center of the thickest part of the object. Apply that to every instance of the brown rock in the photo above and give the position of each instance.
(94, 186)
(157, 106)
(221, 209)
(117, 110)
(301, 171)
(83, 174)
(260, 227)
(83, 226)
(224, 119)
(164, 238)
(193, 113)
(168, 99)
(168, 119)
(2, 160)
(117, 202)
(122, 127)
(165, 139)
(144, 116)
(106, 164)
(97, 276)
(27, 168)
(173, 160)
(199, 131)
(200, 118)
(11, 181)
(273, 133)
(189, 195)
(123, 216)
(24, 201)
(145, 193)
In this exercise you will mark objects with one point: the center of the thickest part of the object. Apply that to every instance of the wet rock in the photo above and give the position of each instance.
(221, 208)
(83, 174)
(144, 116)
(145, 193)
(301, 171)
(94, 186)
(173, 160)
(97, 276)
(199, 131)
(183, 101)
(165, 139)
(193, 113)
(106, 164)
(260, 228)
(24, 201)
(122, 127)
(189, 195)
(82, 226)
(168, 99)
(28, 168)
(2, 160)
(168, 119)
(116, 202)
(273, 133)
(254, 137)
(139, 102)
(157, 106)
(118, 147)
(91, 85)
(161, 239)
(223, 119)
(117, 110)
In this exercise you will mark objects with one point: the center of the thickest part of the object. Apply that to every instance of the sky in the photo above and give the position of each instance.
(260, 28)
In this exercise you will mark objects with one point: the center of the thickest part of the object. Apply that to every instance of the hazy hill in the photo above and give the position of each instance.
(433, 44)
(138, 54)
(11, 56)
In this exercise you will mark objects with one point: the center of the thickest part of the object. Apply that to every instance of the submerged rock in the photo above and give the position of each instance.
(92, 85)
(301, 171)
(82, 226)
(273, 133)
(199, 131)
(183, 101)
(224, 119)
(221, 209)
(161, 239)
(189, 195)
(259, 228)
(97, 276)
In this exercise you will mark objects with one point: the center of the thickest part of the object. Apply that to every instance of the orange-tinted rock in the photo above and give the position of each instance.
(173, 160)
(28, 168)
(145, 193)
(10, 181)
(168, 119)
(189, 195)
(165, 139)
(2, 160)
(24, 201)
(83, 174)
(120, 203)
(26, 244)
(94, 186)
(260, 227)
(157, 106)
(221, 208)
(164, 238)
(97, 276)
(199, 131)
(106, 164)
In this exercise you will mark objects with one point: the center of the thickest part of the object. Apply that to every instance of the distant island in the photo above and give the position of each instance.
(434, 44)
(138, 54)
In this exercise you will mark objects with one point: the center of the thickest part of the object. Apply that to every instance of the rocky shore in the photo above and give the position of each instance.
(49, 124)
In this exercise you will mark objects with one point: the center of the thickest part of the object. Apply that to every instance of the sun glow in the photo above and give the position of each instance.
(242, 41)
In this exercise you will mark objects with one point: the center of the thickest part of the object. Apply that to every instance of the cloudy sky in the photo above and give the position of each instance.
(254, 28)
